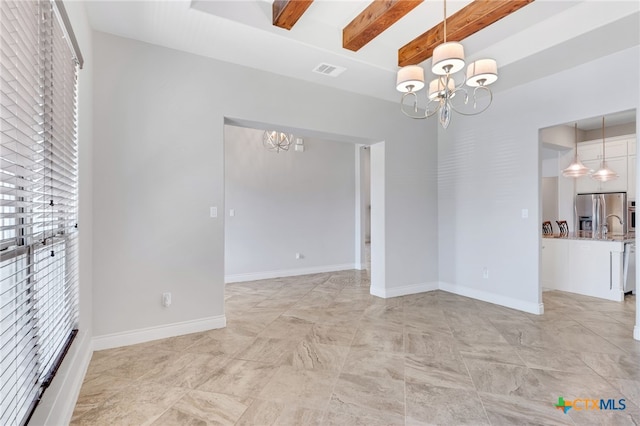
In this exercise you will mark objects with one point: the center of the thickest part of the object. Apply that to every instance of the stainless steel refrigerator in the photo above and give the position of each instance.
(595, 210)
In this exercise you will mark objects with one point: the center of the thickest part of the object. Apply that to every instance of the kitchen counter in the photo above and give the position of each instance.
(629, 237)
(579, 263)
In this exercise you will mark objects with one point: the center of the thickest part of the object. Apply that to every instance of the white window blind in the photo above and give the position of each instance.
(38, 201)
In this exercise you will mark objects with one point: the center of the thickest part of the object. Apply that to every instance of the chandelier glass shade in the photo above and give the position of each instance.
(277, 141)
(576, 169)
(447, 60)
(604, 174)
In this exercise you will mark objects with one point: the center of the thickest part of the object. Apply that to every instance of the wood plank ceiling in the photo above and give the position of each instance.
(382, 14)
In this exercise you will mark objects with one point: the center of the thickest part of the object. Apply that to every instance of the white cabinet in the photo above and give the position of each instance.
(616, 152)
(554, 257)
(618, 165)
(589, 267)
(592, 150)
(589, 151)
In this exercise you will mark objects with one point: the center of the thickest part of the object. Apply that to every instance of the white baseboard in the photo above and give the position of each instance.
(404, 290)
(509, 302)
(636, 332)
(59, 400)
(142, 335)
(254, 276)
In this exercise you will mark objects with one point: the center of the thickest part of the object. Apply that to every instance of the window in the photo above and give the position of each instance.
(38, 200)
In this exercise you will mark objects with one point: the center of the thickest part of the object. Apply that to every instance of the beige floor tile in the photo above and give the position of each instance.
(188, 370)
(342, 419)
(320, 349)
(140, 404)
(316, 356)
(613, 366)
(331, 334)
(497, 353)
(514, 410)
(205, 408)
(442, 371)
(240, 378)
(379, 340)
(368, 397)
(432, 343)
(443, 406)
(303, 388)
(132, 364)
(553, 359)
(221, 345)
(268, 351)
(507, 379)
(287, 327)
(95, 390)
(300, 416)
(364, 362)
(261, 412)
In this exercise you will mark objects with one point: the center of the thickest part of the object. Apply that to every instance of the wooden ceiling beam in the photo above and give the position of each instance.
(374, 20)
(287, 12)
(467, 21)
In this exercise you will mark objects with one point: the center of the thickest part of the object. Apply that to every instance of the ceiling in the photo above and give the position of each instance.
(542, 38)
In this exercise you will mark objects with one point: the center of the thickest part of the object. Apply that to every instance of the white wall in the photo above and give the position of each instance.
(287, 203)
(489, 171)
(158, 130)
(58, 401)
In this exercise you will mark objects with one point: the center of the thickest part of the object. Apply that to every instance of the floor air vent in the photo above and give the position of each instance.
(328, 69)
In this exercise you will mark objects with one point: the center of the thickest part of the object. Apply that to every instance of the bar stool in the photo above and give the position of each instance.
(547, 228)
(564, 227)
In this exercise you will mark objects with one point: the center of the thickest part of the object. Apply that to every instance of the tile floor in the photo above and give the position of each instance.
(320, 349)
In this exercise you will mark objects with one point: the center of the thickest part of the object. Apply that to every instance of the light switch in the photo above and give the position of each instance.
(213, 211)
(232, 212)
(525, 213)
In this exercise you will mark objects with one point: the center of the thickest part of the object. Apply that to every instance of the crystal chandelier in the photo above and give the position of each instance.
(575, 169)
(276, 141)
(604, 174)
(448, 59)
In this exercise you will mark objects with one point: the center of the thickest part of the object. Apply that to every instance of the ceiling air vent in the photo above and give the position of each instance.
(328, 69)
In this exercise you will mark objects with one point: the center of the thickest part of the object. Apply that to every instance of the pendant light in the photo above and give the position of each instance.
(576, 169)
(604, 174)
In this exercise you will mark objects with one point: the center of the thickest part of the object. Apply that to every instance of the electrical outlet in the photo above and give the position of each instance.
(166, 299)
(299, 256)
(485, 273)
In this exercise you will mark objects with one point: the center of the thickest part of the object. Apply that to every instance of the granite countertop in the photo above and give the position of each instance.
(629, 237)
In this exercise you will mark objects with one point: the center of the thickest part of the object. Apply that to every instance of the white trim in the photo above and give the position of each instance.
(636, 332)
(254, 276)
(509, 302)
(404, 290)
(58, 402)
(142, 335)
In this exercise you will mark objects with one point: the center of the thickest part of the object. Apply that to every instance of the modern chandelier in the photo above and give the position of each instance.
(448, 59)
(277, 141)
(604, 174)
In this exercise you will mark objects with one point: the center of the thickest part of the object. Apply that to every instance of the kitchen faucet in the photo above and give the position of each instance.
(605, 229)
(616, 216)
